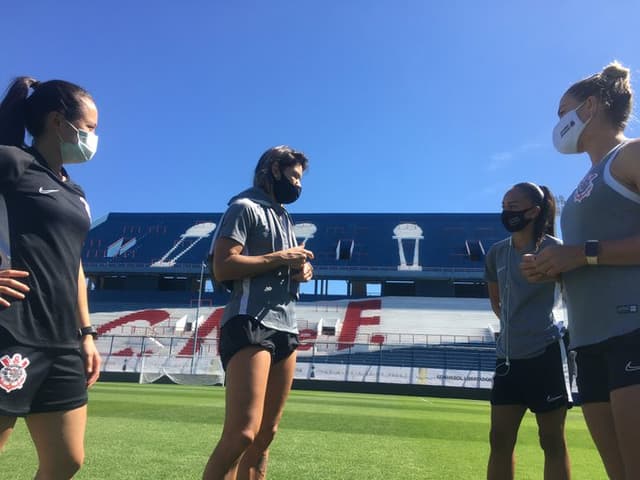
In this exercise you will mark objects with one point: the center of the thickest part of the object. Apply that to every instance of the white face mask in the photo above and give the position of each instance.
(568, 130)
(83, 150)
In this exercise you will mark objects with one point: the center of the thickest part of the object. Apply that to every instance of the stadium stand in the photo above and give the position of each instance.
(413, 300)
(406, 254)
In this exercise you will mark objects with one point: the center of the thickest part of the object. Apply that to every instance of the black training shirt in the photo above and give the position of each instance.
(48, 221)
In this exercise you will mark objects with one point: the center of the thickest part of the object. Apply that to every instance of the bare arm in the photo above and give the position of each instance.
(626, 251)
(90, 353)
(230, 264)
(494, 297)
(625, 169)
(555, 260)
(84, 320)
(558, 259)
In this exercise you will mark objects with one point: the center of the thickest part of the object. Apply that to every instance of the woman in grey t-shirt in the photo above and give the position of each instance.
(531, 355)
(600, 263)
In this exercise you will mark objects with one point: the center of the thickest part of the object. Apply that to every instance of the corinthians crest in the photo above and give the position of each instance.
(13, 372)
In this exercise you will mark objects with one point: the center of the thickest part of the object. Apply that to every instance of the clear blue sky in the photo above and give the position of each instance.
(401, 106)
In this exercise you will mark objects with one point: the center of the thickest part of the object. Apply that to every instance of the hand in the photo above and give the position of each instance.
(10, 287)
(529, 270)
(305, 274)
(552, 261)
(296, 257)
(92, 360)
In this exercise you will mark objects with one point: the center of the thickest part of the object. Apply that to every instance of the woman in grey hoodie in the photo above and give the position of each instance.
(255, 254)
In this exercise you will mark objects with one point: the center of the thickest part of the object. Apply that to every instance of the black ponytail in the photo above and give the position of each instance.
(547, 214)
(12, 112)
(20, 111)
(545, 222)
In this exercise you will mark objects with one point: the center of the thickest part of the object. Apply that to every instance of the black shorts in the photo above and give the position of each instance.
(606, 366)
(243, 331)
(39, 380)
(540, 383)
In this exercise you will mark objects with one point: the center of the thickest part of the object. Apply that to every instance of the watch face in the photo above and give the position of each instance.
(591, 248)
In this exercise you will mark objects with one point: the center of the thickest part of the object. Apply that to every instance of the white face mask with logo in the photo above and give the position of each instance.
(566, 133)
(83, 150)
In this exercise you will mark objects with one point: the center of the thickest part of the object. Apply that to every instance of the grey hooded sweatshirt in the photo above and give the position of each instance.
(261, 226)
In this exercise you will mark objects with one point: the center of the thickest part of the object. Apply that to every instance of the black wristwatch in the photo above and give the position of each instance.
(90, 330)
(591, 251)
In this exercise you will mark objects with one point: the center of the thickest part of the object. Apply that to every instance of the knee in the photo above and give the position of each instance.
(74, 464)
(63, 468)
(501, 441)
(553, 443)
(236, 440)
(265, 437)
(245, 438)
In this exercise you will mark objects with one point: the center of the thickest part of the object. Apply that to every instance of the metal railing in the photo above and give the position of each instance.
(447, 363)
(197, 266)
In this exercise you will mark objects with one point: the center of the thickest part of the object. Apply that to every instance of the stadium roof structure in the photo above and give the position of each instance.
(391, 246)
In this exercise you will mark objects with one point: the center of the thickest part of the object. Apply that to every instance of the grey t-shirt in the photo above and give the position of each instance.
(603, 301)
(262, 227)
(527, 324)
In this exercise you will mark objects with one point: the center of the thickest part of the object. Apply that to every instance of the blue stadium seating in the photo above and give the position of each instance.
(445, 357)
(133, 242)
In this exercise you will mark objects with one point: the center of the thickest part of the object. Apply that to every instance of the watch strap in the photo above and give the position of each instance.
(90, 330)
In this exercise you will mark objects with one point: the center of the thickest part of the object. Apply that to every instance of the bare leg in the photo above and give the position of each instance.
(6, 428)
(554, 445)
(599, 418)
(626, 417)
(247, 375)
(59, 441)
(505, 422)
(253, 465)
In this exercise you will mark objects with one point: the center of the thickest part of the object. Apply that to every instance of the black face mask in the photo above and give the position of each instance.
(514, 221)
(284, 190)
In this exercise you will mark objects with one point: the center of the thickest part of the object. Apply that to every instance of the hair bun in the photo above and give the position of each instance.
(614, 71)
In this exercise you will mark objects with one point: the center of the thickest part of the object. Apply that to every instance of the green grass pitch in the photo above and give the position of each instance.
(167, 432)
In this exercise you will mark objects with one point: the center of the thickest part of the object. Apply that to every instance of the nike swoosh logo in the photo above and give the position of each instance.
(631, 368)
(553, 399)
(46, 192)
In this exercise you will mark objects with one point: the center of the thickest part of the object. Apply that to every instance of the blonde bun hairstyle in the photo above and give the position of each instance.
(612, 87)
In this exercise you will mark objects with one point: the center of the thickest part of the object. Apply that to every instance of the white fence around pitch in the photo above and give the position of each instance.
(466, 363)
(410, 340)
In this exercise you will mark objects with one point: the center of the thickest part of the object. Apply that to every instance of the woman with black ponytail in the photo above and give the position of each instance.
(47, 353)
(531, 355)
